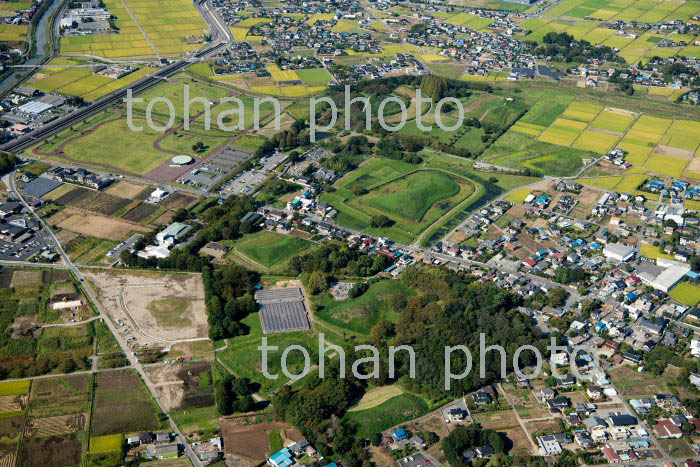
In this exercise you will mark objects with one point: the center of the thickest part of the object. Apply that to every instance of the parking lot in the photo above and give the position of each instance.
(416, 460)
(21, 251)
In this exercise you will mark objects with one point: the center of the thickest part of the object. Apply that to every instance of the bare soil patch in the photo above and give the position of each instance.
(181, 386)
(675, 152)
(125, 189)
(251, 440)
(94, 225)
(130, 297)
(694, 165)
(180, 199)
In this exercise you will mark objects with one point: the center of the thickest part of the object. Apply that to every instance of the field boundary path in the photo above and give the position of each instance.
(9, 181)
(142, 30)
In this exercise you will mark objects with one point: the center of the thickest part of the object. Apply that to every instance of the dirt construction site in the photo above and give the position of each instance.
(152, 308)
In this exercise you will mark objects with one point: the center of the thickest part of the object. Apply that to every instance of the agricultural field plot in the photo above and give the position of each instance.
(252, 441)
(582, 111)
(104, 444)
(634, 384)
(267, 251)
(64, 339)
(122, 404)
(92, 200)
(605, 183)
(630, 184)
(55, 426)
(376, 396)
(613, 120)
(141, 212)
(360, 314)
(162, 306)
(81, 82)
(183, 386)
(318, 77)
(13, 33)
(666, 165)
(686, 293)
(170, 28)
(684, 135)
(652, 11)
(52, 450)
(596, 141)
(563, 132)
(11, 430)
(96, 226)
(13, 403)
(65, 395)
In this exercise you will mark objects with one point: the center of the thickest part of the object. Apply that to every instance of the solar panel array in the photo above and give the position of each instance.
(282, 310)
(40, 186)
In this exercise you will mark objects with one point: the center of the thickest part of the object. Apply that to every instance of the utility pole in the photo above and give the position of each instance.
(92, 65)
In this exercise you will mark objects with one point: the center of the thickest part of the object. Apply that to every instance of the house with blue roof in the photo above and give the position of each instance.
(400, 434)
(282, 458)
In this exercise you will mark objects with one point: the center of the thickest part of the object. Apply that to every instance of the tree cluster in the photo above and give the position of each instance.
(469, 437)
(228, 291)
(232, 395)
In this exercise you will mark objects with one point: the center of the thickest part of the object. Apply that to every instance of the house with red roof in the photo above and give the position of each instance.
(667, 429)
(611, 455)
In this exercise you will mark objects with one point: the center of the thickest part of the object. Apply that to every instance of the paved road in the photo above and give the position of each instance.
(9, 181)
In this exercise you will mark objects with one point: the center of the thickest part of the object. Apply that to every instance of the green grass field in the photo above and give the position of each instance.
(360, 314)
(107, 443)
(652, 252)
(686, 293)
(518, 150)
(245, 360)
(394, 411)
(135, 153)
(413, 197)
(269, 251)
(519, 196)
(10, 388)
(318, 77)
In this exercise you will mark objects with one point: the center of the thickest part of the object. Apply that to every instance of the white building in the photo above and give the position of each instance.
(618, 252)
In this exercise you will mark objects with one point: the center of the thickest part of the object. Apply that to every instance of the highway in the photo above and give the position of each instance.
(219, 31)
